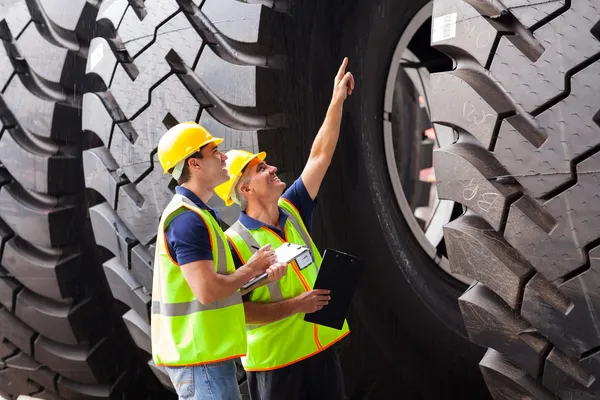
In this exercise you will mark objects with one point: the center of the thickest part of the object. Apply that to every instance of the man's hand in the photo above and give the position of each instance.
(343, 83)
(312, 301)
(307, 303)
(262, 259)
(276, 271)
(323, 147)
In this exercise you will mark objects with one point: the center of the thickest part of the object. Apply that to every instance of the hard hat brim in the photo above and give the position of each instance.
(214, 140)
(225, 189)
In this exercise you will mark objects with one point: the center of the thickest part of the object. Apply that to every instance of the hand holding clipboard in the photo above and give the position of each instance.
(339, 273)
(286, 253)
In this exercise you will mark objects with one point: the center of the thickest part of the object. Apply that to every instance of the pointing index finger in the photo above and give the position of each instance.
(342, 70)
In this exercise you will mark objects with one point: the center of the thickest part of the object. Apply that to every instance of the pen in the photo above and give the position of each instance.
(255, 248)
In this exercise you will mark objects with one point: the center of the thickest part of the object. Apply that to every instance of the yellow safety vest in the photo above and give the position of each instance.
(183, 330)
(284, 342)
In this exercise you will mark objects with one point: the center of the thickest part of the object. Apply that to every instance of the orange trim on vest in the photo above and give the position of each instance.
(297, 212)
(300, 359)
(293, 263)
(290, 204)
(237, 251)
(296, 268)
(205, 223)
(167, 250)
(317, 341)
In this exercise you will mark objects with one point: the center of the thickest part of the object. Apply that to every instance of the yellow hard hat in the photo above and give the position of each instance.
(236, 162)
(180, 142)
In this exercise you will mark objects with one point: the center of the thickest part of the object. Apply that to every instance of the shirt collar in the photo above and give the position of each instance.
(192, 196)
(251, 223)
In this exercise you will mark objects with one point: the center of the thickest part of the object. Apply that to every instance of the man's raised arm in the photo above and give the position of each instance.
(324, 145)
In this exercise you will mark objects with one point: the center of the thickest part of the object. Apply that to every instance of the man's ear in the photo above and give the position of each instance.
(245, 188)
(193, 163)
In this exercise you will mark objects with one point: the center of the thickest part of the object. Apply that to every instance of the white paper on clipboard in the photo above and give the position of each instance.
(285, 253)
(288, 252)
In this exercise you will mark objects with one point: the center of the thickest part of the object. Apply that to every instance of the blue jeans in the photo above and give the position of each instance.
(215, 381)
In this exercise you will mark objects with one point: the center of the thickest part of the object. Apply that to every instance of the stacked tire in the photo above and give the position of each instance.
(524, 99)
(61, 335)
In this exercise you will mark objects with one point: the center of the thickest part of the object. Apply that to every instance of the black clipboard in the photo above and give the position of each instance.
(339, 273)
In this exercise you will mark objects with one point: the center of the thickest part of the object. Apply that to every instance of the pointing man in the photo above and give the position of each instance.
(197, 323)
(287, 357)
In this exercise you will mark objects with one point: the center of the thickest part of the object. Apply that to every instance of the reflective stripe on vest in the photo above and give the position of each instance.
(284, 342)
(179, 309)
(302, 231)
(183, 330)
(241, 230)
(273, 287)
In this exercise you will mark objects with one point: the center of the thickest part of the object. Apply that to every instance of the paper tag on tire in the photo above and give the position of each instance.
(444, 27)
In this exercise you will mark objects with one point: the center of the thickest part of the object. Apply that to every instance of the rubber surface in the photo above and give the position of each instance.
(60, 337)
(524, 100)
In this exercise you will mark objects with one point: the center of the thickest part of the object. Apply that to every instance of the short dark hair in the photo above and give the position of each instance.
(185, 172)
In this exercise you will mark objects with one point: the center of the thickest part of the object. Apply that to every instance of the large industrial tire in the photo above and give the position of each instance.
(524, 100)
(259, 73)
(60, 335)
(405, 309)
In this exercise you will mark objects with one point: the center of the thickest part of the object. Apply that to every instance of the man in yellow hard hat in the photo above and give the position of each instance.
(287, 358)
(197, 318)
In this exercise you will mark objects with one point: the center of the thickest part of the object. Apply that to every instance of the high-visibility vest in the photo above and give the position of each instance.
(183, 330)
(284, 342)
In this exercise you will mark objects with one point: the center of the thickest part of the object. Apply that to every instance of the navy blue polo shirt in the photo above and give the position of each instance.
(187, 235)
(188, 239)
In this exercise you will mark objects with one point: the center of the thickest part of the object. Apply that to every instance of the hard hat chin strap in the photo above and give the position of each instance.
(234, 189)
(234, 194)
(178, 169)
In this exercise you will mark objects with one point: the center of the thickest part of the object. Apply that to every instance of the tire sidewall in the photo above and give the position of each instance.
(357, 195)
(365, 110)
